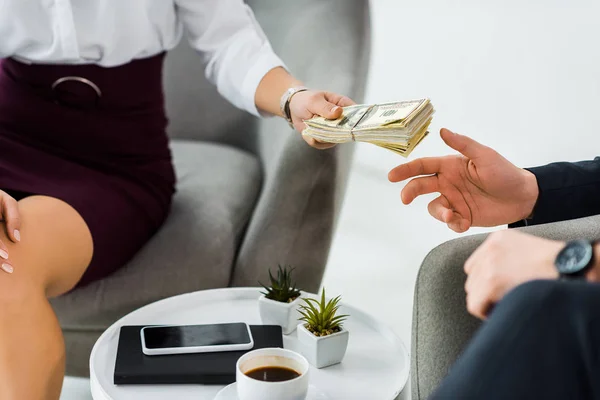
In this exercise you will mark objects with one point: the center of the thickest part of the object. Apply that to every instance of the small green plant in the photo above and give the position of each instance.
(282, 288)
(320, 316)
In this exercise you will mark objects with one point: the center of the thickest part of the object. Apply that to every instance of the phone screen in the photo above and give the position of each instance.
(160, 337)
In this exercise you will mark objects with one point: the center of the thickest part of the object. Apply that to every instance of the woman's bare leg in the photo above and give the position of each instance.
(55, 249)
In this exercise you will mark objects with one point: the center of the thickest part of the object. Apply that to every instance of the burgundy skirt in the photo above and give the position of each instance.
(95, 138)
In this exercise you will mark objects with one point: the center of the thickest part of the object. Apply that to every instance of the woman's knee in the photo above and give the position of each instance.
(55, 247)
(22, 277)
(18, 291)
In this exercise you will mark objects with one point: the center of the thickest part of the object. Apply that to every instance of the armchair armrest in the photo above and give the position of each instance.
(441, 325)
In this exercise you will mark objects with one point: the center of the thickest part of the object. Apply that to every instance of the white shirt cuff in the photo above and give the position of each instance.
(266, 61)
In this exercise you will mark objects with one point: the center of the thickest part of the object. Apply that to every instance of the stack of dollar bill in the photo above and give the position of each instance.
(398, 126)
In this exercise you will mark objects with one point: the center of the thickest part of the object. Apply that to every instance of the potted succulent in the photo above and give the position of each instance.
(322, 338)
(279, 305)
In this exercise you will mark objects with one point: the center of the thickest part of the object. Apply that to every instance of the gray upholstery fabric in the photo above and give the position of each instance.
(273, 200)
(441, 325)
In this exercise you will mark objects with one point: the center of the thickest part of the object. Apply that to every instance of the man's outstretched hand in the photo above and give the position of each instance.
(479, 187)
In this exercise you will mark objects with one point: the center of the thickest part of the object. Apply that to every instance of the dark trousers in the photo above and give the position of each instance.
(542, 341)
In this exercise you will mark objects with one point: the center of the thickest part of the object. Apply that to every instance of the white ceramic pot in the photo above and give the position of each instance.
(322, 351)
(277, 313)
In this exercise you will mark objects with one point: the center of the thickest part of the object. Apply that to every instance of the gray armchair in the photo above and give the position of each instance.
(441, 325)
(251, 194)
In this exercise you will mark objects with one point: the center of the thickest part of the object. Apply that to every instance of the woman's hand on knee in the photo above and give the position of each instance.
(9, 214)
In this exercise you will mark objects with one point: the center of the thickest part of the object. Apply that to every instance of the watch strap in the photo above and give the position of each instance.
(286, 98)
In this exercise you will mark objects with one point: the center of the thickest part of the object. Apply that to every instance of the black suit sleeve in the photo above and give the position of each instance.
(567, 191)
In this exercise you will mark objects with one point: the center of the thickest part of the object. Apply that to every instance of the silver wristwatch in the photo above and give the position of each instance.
(284, 104)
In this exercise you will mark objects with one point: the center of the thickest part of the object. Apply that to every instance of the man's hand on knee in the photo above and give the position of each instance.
(505, 260)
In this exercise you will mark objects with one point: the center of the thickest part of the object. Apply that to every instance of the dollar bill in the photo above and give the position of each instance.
(365, 117)
(397, 126)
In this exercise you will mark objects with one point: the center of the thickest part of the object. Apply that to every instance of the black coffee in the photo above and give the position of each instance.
(272, 374)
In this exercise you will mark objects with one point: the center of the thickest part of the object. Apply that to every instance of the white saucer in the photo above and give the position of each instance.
(230, 393)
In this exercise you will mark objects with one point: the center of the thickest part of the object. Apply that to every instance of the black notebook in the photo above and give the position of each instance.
(134, 367)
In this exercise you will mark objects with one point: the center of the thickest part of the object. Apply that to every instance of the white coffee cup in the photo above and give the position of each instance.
(253, 389)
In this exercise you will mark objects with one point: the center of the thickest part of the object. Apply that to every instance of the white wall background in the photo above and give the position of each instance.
(522, 76)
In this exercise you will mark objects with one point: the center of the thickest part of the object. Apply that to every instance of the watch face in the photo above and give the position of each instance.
(574, 257)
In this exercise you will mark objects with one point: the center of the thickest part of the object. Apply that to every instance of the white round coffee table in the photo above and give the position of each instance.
(376, 365)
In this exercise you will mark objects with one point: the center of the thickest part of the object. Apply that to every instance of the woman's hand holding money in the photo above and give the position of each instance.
(307, 104)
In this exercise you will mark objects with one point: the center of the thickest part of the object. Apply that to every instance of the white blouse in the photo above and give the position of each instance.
(233, 47)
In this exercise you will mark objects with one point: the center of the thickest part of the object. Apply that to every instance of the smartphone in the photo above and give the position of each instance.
(181, 339)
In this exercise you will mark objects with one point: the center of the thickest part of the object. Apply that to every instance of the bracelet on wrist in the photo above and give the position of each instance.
(286, 98)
